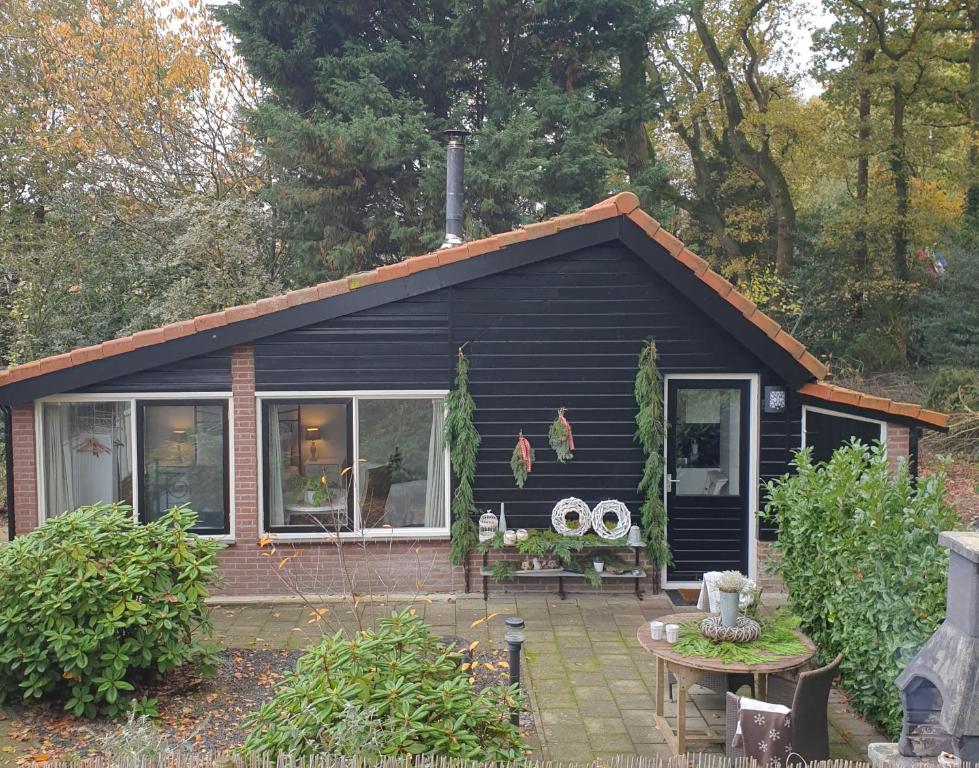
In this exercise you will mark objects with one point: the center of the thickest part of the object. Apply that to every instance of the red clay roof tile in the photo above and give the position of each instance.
(454, 254)
(152, 336)
(647, 223)
(742, 303)
(217, 319)
(809, 361)
(669, 241)
(540, 229)
(301, 296)
(332, 288)
(718, 283)
(789, 344)
(625, 202)
(86, 354)
(692, 260)
(509, 238)
(56, 362)
(120, 346)
(241, 312)
(361, 279)
(176, 330)
(420, 263)
(766, 324)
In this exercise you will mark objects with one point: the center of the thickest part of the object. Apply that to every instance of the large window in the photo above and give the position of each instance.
(183, 460)
(86, 454)
(313, 484)
(153, 454)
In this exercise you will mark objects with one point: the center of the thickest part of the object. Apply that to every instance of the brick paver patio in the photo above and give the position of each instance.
(591, 684)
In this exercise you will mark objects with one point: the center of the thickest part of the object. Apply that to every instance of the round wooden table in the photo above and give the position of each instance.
(689, 669)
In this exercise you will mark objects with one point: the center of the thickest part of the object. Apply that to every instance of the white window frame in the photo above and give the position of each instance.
(131, 398)
(841, 415)
(371, 534)
(754, 459)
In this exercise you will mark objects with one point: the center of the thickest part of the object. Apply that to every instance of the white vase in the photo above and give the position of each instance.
(729, 608)
(309, 497)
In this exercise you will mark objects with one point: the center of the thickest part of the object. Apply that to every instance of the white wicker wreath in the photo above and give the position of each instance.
(622, 523)
(559, 517)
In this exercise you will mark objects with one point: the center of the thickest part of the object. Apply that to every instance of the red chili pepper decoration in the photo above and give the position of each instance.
(567, 427)
(524, 444)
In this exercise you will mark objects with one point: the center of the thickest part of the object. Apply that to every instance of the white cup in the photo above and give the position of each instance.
(672, 631)
(656, 630)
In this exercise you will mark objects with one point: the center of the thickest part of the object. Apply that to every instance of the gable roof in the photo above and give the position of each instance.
(624, 205)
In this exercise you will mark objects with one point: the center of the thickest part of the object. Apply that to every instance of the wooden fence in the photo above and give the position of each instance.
(625, 761)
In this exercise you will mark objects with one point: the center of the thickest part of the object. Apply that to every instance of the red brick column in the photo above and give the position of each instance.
(898, 444)
(25, 469)
(246, 453)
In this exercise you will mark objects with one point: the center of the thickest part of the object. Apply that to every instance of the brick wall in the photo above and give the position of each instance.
(767, 580)
(25, 469)
(898, 444)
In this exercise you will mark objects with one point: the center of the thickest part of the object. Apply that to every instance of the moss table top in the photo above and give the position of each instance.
(664, 650)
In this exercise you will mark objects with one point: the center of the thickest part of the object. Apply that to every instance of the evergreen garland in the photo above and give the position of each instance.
(463, 441)
(649, 433)
(522, 460)
(561, 437)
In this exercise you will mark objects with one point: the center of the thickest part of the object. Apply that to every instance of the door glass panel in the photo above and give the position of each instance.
(707, 434)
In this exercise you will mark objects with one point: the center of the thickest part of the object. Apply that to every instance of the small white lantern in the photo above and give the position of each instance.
(487, 526)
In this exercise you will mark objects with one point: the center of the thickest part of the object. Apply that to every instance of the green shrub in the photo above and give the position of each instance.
(94, 604)
(953, 390)
(394, 691)
(858, 551)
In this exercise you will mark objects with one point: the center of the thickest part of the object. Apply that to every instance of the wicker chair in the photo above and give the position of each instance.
(807, 698)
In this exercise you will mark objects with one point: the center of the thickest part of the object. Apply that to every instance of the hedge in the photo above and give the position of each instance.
(859, 554)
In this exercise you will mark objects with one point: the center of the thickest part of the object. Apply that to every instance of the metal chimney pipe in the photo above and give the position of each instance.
(454, 194)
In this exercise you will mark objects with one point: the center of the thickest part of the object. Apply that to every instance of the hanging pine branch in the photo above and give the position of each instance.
(463, 441)
(561, 437)
(522, 460)
(649, 433)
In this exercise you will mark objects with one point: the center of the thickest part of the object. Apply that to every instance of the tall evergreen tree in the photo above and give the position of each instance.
(555, 94)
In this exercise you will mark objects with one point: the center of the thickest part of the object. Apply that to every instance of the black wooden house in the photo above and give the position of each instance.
(234, 412)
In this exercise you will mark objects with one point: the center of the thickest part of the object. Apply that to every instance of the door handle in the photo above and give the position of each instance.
(671, 482)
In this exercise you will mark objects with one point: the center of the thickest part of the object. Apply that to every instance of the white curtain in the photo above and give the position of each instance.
(435, 489)
(58, 459)
(276, 509)
(122, 454)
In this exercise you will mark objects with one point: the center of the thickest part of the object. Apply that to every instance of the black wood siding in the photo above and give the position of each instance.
(564, 331)
(403, 345)
(205, 373)
(568, 331)
(780, 438)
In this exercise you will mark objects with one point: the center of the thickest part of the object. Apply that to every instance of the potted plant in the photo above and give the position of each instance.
(311, 490)
(729, 585)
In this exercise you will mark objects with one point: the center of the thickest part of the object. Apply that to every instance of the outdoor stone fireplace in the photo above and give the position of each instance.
(940, 687)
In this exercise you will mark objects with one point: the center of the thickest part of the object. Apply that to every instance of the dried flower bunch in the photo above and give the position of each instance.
(730, 581)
